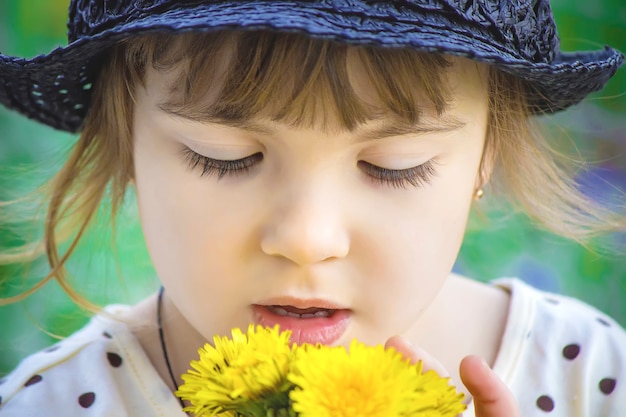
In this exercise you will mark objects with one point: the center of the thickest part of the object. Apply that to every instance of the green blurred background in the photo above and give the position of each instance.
(120, 272)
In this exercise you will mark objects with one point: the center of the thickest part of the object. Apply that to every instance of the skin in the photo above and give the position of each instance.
(307, 221)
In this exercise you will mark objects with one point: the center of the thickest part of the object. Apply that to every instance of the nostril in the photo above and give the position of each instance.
(306, 246)
(306, 224)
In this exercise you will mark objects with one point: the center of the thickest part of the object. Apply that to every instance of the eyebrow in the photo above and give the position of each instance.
(246, 125)
(447, 124)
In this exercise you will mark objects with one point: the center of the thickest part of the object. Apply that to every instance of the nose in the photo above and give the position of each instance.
(306, 224)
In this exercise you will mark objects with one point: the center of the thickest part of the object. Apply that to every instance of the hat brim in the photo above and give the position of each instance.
(55, 89)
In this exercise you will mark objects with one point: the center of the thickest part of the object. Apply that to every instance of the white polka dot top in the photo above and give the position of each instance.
(99, 371)
(561, 357)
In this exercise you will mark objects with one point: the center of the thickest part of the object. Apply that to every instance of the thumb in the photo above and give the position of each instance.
(492, 398)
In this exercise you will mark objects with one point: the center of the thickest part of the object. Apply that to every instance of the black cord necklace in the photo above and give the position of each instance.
(162, 339)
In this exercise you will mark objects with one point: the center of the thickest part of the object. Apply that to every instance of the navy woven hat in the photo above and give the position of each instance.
(518, 36)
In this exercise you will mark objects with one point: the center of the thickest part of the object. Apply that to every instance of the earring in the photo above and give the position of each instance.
(479, 194)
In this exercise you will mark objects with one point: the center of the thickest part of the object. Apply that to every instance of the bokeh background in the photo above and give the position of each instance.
(120, 272)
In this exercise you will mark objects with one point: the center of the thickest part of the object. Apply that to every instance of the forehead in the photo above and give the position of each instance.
(307, 82)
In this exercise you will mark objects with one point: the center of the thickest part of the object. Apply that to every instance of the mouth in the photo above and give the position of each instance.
(308, 325)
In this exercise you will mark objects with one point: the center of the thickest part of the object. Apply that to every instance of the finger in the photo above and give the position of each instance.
(415, 354)
(492, 398)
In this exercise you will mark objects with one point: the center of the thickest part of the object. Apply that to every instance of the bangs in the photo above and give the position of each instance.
(290, 78)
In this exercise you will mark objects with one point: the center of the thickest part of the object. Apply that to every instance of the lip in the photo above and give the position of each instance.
(302, 303)
(322, 330)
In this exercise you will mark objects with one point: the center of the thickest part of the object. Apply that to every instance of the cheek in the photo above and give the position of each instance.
(412, 252)
(427, 225)
(441, 216)
(421, 251)
(175, 214)
(193, 225)
(193, 241)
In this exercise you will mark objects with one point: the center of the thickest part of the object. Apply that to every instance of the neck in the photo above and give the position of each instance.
(181, 340)
(466, 317)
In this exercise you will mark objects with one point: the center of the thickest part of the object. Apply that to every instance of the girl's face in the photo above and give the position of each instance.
(333, 234)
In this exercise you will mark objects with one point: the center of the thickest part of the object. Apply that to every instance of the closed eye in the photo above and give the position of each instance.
(209, 166)
(400, 178)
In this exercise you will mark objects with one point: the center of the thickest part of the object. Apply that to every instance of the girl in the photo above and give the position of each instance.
(313, 165)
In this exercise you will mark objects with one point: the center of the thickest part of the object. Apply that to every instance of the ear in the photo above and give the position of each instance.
(487, 162)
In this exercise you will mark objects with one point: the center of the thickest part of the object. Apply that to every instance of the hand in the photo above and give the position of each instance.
(491, 397)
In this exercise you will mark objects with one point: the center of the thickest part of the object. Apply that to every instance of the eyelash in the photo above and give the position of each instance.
(209, 166)
(400, 178)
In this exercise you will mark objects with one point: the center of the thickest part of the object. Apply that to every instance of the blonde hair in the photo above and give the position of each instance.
(285, 77)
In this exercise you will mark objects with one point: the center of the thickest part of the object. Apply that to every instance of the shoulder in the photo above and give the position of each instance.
(100, 369)
(561, 355)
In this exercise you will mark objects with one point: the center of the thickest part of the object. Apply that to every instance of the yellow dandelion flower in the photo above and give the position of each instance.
(247, 372)
(367, 382)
